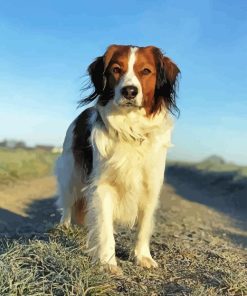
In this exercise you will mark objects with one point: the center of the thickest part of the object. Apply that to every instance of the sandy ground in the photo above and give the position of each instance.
(28, 207)
(186, 212)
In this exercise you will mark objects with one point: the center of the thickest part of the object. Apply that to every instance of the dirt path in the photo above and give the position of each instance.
(28, 207)
(205, 212)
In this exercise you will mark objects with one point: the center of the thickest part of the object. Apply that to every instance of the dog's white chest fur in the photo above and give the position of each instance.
(129, 160)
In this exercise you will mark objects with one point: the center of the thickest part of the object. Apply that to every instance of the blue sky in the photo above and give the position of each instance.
(46, 47)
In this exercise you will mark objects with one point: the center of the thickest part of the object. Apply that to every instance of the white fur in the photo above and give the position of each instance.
(68, 179)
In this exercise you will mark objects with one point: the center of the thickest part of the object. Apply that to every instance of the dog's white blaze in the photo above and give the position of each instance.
(129, 78)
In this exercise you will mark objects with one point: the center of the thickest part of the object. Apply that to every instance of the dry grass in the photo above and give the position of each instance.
(57, 265)
(53, 266)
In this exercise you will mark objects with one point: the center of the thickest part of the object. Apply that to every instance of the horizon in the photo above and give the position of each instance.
(46, 48)
(35, 146)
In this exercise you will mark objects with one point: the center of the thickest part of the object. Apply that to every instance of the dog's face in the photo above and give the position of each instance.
(135, 77)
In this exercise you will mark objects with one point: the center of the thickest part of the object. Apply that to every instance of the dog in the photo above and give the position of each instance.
(112, 166)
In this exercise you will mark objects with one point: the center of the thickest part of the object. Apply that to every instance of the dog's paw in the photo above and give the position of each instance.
(113, 269)
(146, 262)
(65, 224)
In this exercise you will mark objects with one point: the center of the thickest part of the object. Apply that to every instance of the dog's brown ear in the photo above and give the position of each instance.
(166, 82)
(96, 72)
(109, 54)
(171, 70)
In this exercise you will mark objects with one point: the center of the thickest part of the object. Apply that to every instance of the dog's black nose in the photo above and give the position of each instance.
(129, 92)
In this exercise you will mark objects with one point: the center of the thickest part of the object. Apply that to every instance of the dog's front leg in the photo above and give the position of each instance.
(145, 227)
(147, 207)
(104, 203)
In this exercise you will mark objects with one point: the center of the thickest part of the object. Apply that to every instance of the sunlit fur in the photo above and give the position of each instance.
(129, 146)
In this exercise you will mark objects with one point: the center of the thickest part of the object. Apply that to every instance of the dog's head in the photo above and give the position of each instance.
(134, 77)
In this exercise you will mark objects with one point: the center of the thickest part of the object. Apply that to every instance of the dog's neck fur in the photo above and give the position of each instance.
(133, 125)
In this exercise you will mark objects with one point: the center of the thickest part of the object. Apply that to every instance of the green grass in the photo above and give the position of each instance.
(21, 164)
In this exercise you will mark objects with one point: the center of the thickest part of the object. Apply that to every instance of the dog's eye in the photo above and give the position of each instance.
(116, 69)
(146, 71)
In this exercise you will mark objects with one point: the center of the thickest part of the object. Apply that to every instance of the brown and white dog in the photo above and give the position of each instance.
(112, 166)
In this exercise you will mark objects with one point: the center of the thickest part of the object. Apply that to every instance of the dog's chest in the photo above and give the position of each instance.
(126, 164)
(130, 167)
(129, 144)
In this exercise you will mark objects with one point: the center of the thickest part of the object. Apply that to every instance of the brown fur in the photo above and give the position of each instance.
(145, 60)
(79, 211)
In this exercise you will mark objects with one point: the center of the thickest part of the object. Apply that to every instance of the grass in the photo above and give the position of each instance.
(215, 164)
(21, 164)
(53, 267)
(58, 265)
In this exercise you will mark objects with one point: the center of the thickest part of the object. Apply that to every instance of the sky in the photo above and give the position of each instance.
(46, 46)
